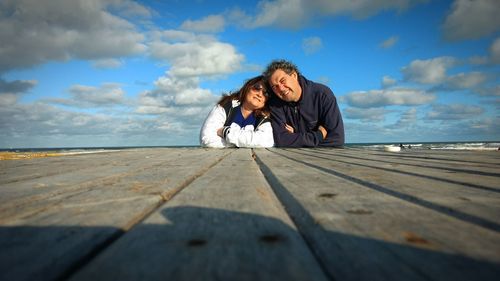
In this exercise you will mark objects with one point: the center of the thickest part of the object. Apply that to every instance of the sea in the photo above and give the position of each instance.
(484, 145)
(481, 145)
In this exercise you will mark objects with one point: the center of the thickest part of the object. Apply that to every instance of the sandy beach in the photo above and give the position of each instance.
(27, 155)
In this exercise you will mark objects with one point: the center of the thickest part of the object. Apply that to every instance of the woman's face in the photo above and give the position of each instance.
(256, 97)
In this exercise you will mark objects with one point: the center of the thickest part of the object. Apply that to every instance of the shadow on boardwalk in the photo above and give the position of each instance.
(196, 243)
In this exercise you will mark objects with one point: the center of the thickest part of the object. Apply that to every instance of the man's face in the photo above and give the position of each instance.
(286, 86)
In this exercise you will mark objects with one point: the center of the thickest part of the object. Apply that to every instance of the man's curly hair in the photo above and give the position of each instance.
(287, 66)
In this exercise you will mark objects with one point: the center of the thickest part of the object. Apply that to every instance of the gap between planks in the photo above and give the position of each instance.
(165, 197)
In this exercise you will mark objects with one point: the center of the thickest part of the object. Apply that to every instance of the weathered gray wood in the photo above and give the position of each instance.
(37, 167)
(360, 232)
(478, 201)
(457, 171)
(143, 173)
(51, 235)
(192, 213)
(226, 225)
(438, 155)
(440, 160)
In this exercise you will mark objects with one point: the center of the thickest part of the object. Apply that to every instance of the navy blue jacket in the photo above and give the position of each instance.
(317, 106)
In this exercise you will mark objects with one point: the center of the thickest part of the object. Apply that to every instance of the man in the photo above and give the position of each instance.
(306, 113)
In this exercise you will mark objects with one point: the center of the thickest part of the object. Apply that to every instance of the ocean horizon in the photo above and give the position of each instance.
(451, 145)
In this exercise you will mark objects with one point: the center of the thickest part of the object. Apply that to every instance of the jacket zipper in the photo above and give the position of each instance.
(261, 121)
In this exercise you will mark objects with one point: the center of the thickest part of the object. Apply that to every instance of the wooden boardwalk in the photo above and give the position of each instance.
(243, 214)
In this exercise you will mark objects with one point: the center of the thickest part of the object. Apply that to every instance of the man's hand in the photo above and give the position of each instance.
(219, 132)
(289, 128)
(323, 131)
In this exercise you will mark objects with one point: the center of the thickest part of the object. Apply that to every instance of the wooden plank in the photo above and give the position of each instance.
(361, 233)
(144, 171)
(44, 176)
(37, 167)
(49, 237)
(366, 216)
(226, 225)
(437, 155)
(456, 170)
(477, 202)
(483, 162)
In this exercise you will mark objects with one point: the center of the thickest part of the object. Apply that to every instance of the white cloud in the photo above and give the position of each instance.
(488, 125)
(178, 100)
(107, 63)
(108, 94)
(365, 114)
(390, 42)
(432, 71)
(44, 125)
(130, 8)
(388, 81)
(195, 55)
(405, 130)
(212, 23)
(465, 80)
(380, 98)
(297, 13)
(312, 45)
(45, 30)
(39, 119)
(407, 119)
(171, 113)
(323, 79)
(8, 99)
(283, 13)
(173, 36)
(472, 19)
(363, 8)
(11, 90)
(478, 60)
(183, 91)
(16, 87)
(492, 58)
(454, 112)
(179, 105)
(192, 58)
(239, 17)
(495, 51)
(489, 91)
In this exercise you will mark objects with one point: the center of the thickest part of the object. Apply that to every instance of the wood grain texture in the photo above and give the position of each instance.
(369, 224)
(227, 225)
(48, 231)
(243, 214)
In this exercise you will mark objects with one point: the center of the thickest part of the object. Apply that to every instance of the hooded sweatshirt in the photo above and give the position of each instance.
(317, 106)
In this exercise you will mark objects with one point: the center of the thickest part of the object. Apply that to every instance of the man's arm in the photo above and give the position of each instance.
(283, 138)
(332, 121)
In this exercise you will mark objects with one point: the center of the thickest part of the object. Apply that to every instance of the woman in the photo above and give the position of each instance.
(240, 119)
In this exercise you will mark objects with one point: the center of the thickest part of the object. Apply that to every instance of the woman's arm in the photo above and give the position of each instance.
(208, 133)
(248, 137)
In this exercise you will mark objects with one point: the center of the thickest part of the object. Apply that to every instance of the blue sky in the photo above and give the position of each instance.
(132, 73)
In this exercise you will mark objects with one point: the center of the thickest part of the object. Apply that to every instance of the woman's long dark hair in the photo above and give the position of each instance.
(243, 92)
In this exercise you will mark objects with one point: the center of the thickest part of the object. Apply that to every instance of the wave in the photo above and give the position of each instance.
(433, 145)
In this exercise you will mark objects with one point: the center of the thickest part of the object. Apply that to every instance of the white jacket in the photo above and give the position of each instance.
(237, 136)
